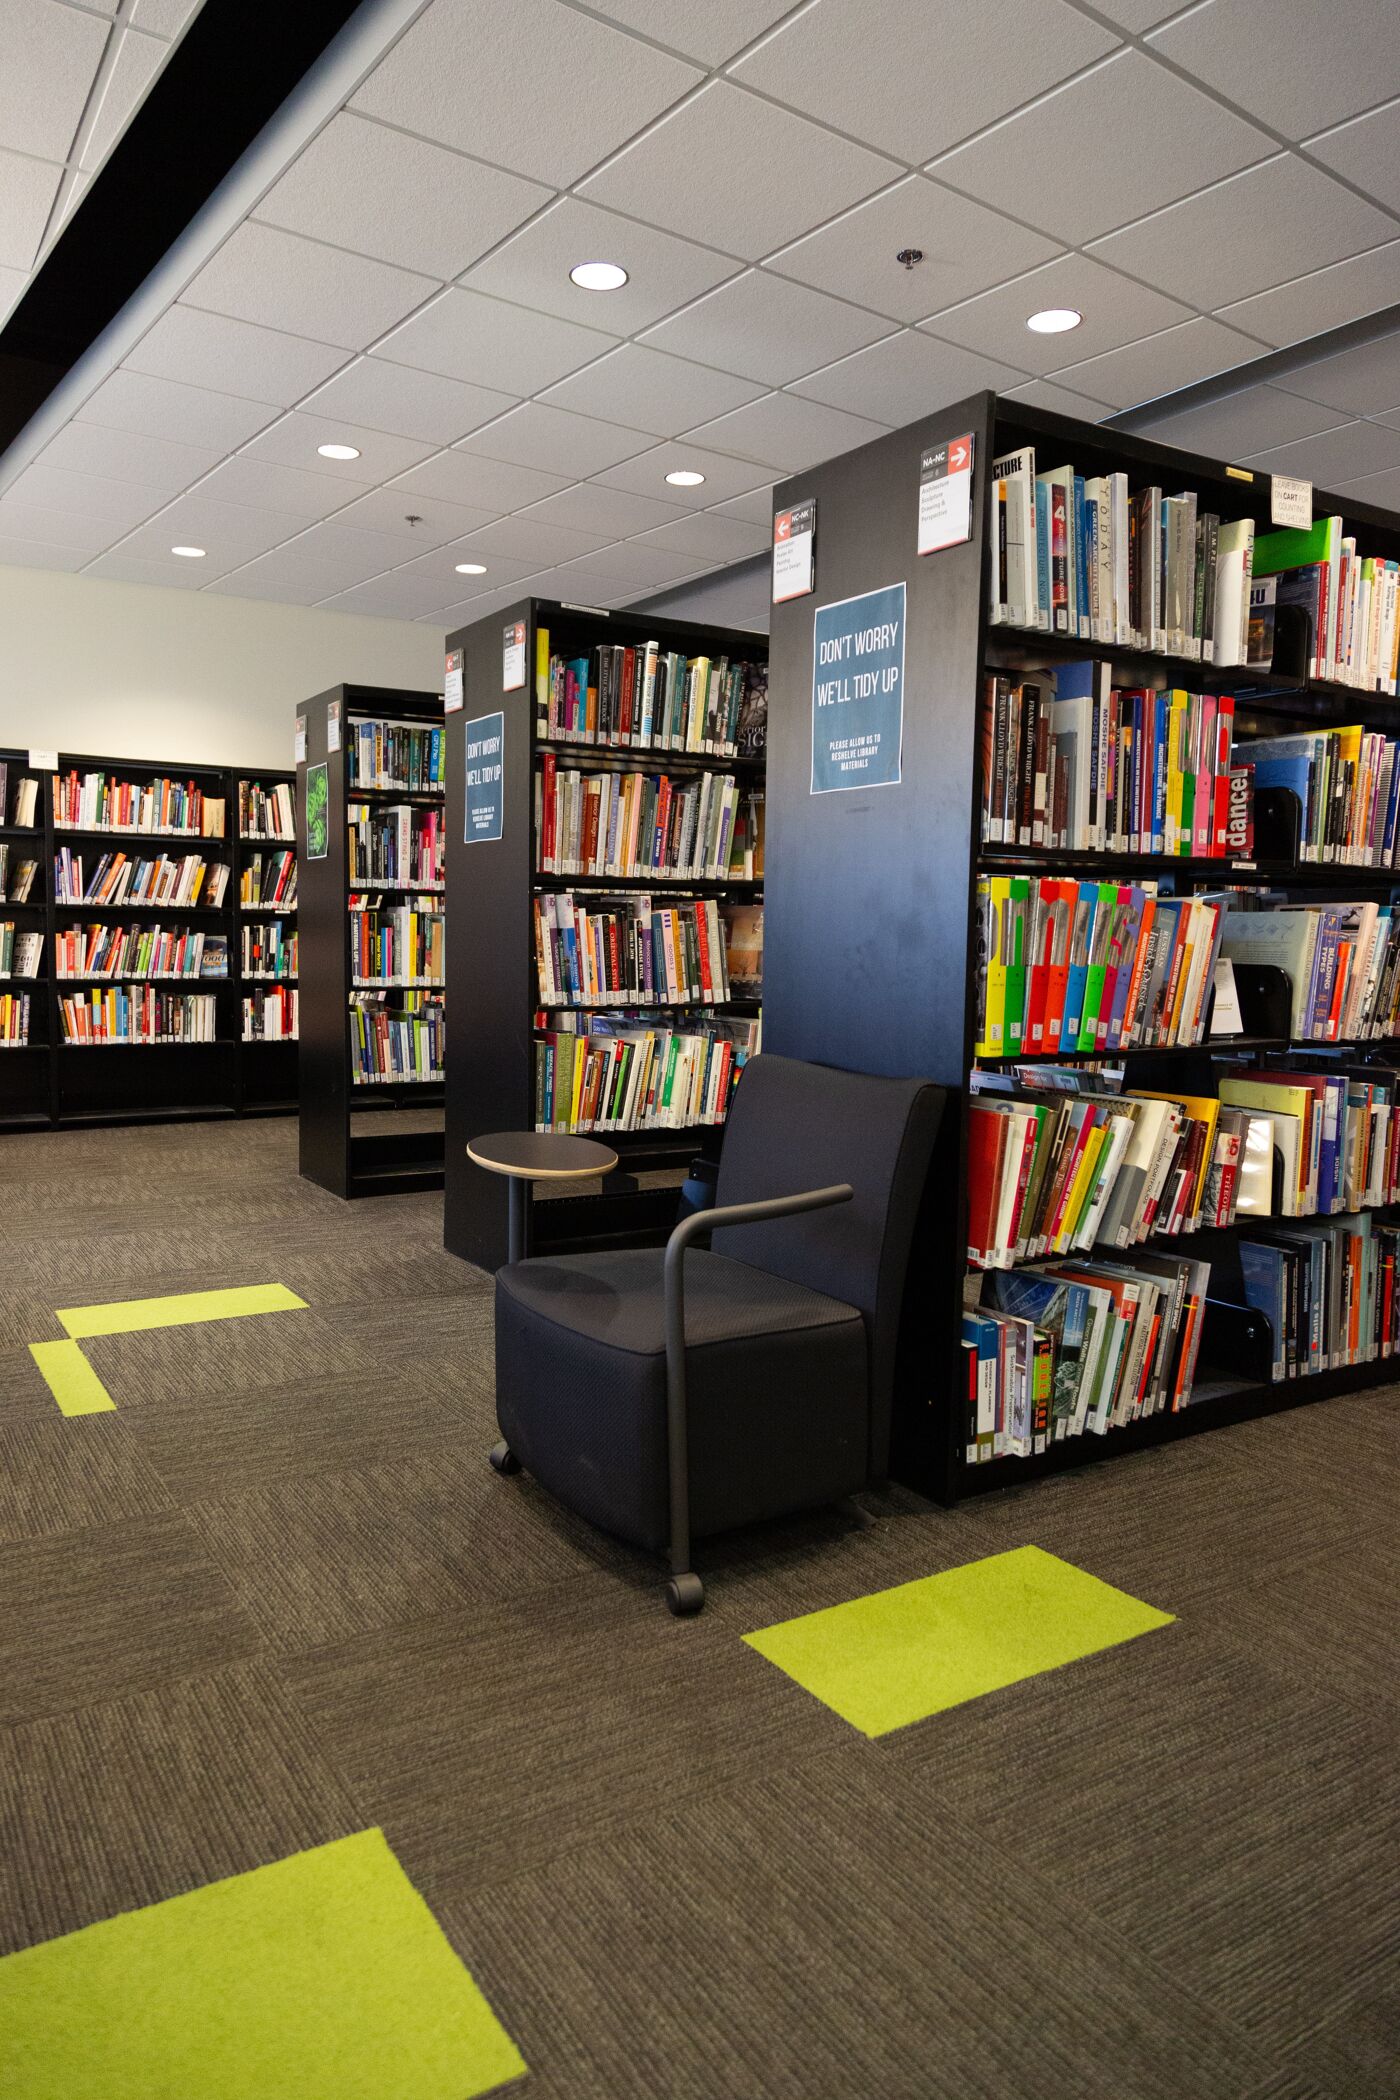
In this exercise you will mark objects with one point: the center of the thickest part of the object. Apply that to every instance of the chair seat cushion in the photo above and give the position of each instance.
(776, 1378)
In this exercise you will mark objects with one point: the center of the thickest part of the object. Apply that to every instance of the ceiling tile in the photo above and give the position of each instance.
(1366, 152)
(611, 513)
(713, 32)
(442, 564)
(1390, 417)
(293, 440)
(642, 389)
(387, 510)
(405, 403)
(1362, 380)
(527, 540)
(35, 554)
(1085, 145)
(1044, 393)
(359, 185)
(710, 537)
(116, 504)
(733, 170)
(1137, 15)
(490, 484)
(162, 17)
(209, 350)
(267, 579)
(782, 431)
(1298, 67)
(904, 377)
(139, 59)
(1381, 489)
(131, 568)
(1249, 421)
(546, 91)
(918, 75)
(27, 190)
(396, 597)
(281, 281)
(1245, 234)
(163, 409)
(1324, 299)
(51, 60)
(755, 509)
(767, 328)
(493, 344)
(329, 557)
(552, 438)
(12, 283)
(663, 272)
(229, 532)
(1336, 455)
(724, 477)
(22, 520)
(126, 455)
(467, 611)
(1115, 311)
(268, 486)
(1160, 364)
(629, 567)
(966, 249)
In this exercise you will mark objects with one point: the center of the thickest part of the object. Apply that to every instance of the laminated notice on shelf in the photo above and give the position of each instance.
(332, 725)
(453, 692)
(43, 761)
(945, 495)
(486, 740)
(794, 541)
(513, 658)
(1290, 501)
(299, 742)
(1225, 1016)
(858, 691)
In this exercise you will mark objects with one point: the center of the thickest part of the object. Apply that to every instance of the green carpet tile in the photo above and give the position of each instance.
(277, 1598)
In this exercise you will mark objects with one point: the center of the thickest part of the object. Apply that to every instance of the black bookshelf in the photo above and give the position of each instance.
(332, 1153)
(871, 918)
(267, 1066)
(52, 1084)
(490, 946)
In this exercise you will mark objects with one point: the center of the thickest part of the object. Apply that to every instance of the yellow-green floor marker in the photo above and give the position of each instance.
(71, 1379)
(902, 1654)
(322, 1977)
(184, 1309)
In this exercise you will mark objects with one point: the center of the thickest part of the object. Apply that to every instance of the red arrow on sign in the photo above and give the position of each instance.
(957, 455)
(783, 527)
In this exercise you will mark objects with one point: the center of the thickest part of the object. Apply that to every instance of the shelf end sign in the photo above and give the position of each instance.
(945, 495)
(794, 541)
(486, 742)
(858, 691)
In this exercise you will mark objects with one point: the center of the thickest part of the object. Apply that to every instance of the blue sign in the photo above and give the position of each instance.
(486, 778)
(858, 691)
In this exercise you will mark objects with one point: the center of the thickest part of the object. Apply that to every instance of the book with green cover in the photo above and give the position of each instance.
(1294, 548)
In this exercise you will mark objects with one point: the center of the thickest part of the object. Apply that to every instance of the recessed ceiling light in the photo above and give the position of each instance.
(1055, 320)
(339, 451)
(598, 277)
(189, 553)
(685, 478)
(471, 568)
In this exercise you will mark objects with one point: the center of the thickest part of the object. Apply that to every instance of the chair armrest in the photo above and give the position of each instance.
(714, 1219)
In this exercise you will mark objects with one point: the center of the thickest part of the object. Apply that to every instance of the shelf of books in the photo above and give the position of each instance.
(265, 883)
(605, 815)
(117, 931)
(370, 845)
(1154, 756)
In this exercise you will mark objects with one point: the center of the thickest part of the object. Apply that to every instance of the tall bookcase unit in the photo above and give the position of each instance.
(871, 922)
(267, 1063)
(491, 943)
(332, 1153)
(52, 1083)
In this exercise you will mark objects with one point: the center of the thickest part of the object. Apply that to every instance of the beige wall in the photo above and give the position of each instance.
(136, 671)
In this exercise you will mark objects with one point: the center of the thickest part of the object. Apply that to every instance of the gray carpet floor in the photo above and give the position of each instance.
(278, 1596)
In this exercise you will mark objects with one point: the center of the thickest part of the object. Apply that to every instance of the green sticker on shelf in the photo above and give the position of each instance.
(317, 812)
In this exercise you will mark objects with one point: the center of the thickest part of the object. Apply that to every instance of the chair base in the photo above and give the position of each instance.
(503, 1458)
(685, 1594)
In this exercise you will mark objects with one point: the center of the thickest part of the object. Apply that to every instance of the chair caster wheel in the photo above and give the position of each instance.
(503, 1458)
(685, 1594)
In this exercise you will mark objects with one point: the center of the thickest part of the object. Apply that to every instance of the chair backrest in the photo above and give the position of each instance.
(797, 1126)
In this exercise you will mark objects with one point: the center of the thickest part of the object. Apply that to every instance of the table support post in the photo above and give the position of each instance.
(521, 1192)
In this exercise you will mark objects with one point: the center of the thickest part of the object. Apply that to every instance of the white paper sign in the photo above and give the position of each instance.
(945, 495)
(794, 539)
(299, 742)
(1290, 501)
(332, 725)
(1225, 1015)
(513, 658)
(454, 685)
(43, 761)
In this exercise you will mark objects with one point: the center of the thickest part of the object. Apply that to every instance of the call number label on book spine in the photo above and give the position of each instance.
(945, 495)
(794, 545)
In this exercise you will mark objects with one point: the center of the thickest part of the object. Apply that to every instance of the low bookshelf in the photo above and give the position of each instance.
(369, 806)
(265, 910)
(887, 907)
(605, 818)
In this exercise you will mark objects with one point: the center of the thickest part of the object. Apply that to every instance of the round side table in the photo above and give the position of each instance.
(528, 1156)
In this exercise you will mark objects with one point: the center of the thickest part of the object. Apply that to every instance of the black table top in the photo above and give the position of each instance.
(541, 1155)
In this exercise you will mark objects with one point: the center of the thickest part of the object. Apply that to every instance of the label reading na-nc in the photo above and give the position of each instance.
(858, 691)
(513, 658)
(945, 495)
(453, 688)
(485, 736)
(794, 539)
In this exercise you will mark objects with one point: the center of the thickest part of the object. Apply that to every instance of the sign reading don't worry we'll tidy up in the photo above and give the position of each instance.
(858, 691)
